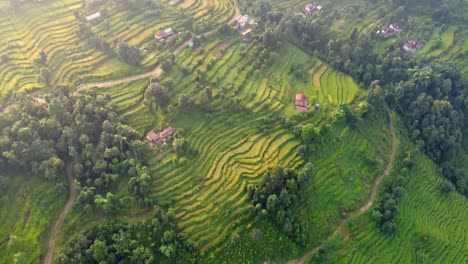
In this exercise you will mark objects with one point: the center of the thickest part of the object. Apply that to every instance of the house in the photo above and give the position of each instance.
(301, 103)
(242, 21)
(247, 32)
(167, 132)
(412, 46)
(162, 34)
(298, 13)
(397, 27)
(159, 138)
(309, 8)
(388, 30)
(96, 17)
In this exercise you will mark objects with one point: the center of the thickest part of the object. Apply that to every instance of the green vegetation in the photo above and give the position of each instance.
(430, 226)
(217, 190)
(28, 208)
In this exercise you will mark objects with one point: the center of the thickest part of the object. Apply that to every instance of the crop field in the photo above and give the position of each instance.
(331, 87)
(27, 210)
(208, 189)
(431, 227)
(51, 29)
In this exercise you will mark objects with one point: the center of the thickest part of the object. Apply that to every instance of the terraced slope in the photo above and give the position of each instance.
(431, 226)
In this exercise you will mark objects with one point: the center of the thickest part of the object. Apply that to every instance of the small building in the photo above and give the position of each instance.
(301, 103)
(247, 32)
(163, 34)
(94, 18)
(242, 21)
(397, 27)
(412, 46)
(298, 13)
(388, 30)
(190, 44)
(310, 8)
(159, 138)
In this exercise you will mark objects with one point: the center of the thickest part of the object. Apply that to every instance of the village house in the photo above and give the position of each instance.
(159, 138)
(246, 34)
(310, 8)
(243, 21)
(388, 30)
(412, 46)
(298, 13)
(94, 18)
(301, 103)
(163, 34)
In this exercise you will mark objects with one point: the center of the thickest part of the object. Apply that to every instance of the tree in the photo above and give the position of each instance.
(44, 75)
(256, 235)
(235, 238)
(375, 94)
(128, 54)
(186, 103)
(157, 94)
(99, 250)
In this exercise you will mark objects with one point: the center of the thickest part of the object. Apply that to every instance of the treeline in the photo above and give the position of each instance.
(42, 136)
(386, 206)
(430, 95)
(155, 240)
(275, 197)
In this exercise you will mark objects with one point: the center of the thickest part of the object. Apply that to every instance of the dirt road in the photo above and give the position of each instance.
(363, 208)
(158, 70)
(48, 259)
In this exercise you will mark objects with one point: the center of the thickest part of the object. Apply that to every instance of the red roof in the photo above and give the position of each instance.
(152, 136)
(167, 132)
(301, 108)
(300, 97)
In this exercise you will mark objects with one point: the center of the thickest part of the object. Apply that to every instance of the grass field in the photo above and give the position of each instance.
(27, 212)
(431, 227)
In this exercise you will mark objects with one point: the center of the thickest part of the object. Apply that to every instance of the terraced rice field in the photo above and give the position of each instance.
(209, 189)
(51, 28)
(331, 87)
(431, 226)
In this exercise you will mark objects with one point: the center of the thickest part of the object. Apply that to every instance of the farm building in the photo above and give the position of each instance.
(93, 18)
(301, 103)
(412, 46)
(388, 30)
(247, 32)
(298, 13)
(159, 138)
(163, 34)
(309, 8)
(243, 21)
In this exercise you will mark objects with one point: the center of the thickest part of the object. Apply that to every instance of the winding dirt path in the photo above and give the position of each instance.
(48, 259)
(363, 208)
(156, 72)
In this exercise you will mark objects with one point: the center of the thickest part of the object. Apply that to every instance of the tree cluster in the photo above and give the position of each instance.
(155, 240)
(386, 207)
(41, 137)
(276, 196)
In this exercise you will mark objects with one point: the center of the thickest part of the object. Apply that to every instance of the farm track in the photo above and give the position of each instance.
(156, 71)
(363, 208)
(48, 259)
